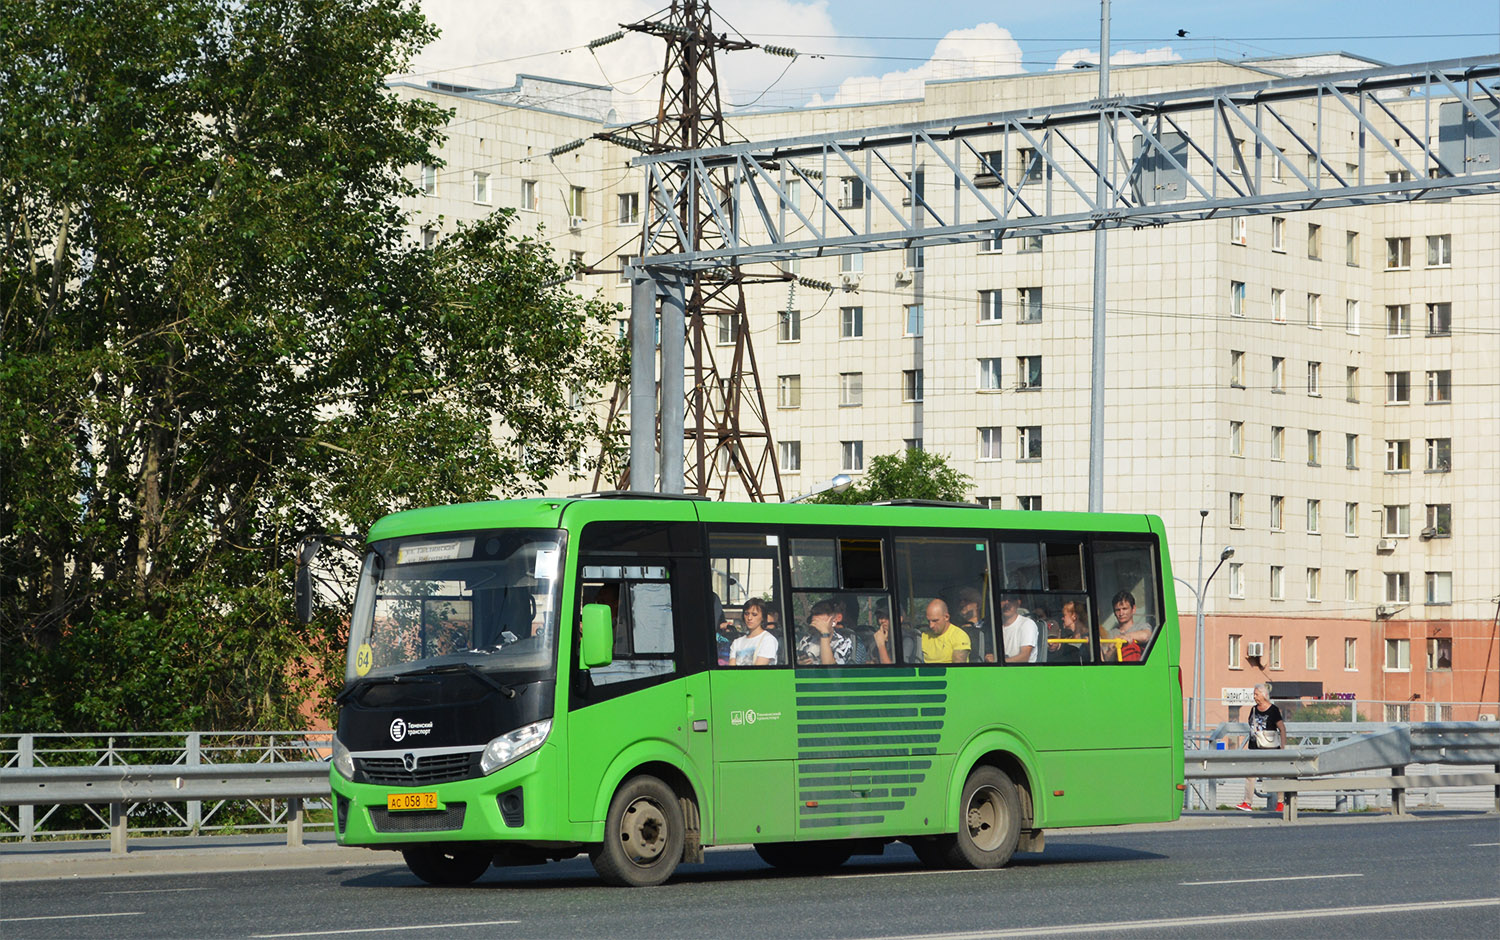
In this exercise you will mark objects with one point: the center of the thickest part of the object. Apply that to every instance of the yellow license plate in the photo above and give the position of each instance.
(395, 801)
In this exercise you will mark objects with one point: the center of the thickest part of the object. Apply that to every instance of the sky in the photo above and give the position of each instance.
(871, 50)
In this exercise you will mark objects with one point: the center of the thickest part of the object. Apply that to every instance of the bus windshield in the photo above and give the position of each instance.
(486, 600)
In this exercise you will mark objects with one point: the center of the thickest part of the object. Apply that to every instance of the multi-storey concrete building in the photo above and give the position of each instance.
(1323, 382)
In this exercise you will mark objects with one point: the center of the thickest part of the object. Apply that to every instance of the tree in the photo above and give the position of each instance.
(911, 474)
(217, 334)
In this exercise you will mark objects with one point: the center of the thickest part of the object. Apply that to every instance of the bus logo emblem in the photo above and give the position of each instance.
(398, 729)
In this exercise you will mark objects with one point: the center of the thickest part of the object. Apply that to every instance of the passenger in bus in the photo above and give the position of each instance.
(1045, 627)
(880, 640)
(825, 643)
(1130, 637)
(941, 643)
(1020, 632)
(757, 647)
(972, 620)
(773, 616)
(1065, 646)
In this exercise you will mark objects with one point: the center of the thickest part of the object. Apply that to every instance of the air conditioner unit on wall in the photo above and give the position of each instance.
(849, 281)
(904, 276)
(1385, 545)
(576, 222)
(1387, 610)
(1429, 532)
(1255, 650)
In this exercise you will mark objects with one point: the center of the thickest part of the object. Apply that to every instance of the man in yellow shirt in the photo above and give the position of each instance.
(941, 643)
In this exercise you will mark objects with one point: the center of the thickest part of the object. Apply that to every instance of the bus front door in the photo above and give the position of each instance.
(753, 721)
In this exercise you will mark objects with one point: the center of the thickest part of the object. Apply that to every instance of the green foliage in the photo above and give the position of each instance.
(216, 333)
(912, 474)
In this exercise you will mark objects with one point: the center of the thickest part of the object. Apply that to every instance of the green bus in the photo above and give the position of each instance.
(637, 677)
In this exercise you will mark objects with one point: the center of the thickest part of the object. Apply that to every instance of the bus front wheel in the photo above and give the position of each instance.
(438, 865)
(989, 824)
(643, 835)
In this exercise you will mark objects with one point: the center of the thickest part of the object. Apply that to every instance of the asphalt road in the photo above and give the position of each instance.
(1366, 878)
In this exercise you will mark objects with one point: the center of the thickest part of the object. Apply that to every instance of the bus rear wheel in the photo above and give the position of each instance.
(643, 835)
(439, 865)
(989, 824)
(803, 856)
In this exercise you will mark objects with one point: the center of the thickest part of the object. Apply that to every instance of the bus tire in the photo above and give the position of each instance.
(447, 865)
(989, 820)
(643, 835)
(803, 856)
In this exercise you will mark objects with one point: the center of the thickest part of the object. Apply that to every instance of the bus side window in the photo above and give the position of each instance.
(945, 581)
(640, 599)
(1125, 599)
(745, 577)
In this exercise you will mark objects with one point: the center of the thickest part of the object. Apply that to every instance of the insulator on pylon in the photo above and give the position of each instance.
(780, 50)
(565, 148)
(813, 284)
(606, 40)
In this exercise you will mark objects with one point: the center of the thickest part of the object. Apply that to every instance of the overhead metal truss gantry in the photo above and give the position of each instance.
(1273, 146)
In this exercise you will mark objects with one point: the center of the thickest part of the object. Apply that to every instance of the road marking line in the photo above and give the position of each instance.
(1247, 881)
(1206, 920)
(1482, 845)
(892, 874)
(329, 933)
(16, 920)
(154, 891)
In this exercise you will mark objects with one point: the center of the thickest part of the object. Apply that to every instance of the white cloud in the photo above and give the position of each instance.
(986, 49)
(1123, 57)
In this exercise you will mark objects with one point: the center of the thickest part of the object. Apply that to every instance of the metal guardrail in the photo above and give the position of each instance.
(1297, 769)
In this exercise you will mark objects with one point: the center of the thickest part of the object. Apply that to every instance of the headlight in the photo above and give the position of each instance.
(343, 761)
(513, 745)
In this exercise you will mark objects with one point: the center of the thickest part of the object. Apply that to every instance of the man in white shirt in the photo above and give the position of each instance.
(1020, 633)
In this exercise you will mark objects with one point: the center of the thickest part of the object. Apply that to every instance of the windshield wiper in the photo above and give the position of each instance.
(469, 668)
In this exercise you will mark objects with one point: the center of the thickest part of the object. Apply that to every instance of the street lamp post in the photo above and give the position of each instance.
(1195, 704)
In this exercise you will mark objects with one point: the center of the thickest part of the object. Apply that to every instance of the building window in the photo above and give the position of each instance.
(1397, 587)
(1439, 386)
(1278, 443)
(1234, 651)
(1314, 516)
(1397, 712)
(1398, 388)
(1314, 586)
(1029, 503)
(989, 306)
(630, 208)
(429, 237)
(851, 193)
(851, 389)
(1237, 297)
(791, 456)
(853, 456)
(992, 243)
(851, 263)
(911, 443)
(624, 263)
(1314, 241)
(1351, 249)
(1439, 711)
(1029, 244)
(1314, 448)
(578, 202)
(1351, 316)
(528, 195)
(1351, 519)
(1439, 454)
(1439, 251)
(851, 322)
(1278, 305)
(1439, 520)
(1030, 164)
(1029, 299)
(1236, 579)
(1398, 320)
(1397, 657)
(1439, 653)
(1237, 510)
(915, 257)
(1315, 379)
(429, 180)
(789, 391)
(989, 443)
(1395, 520)
(1236, 438)
(1439, 319)
(1028, 372)
(1397, 176)
(1238, 228)
(1311, 649)
(911, 385)
(578, 265)
(1397, 254)
(1315, 311)
(482, 188)
(1277, 502)
(913, 319)
(989, 374)
(1278, 228)
(1439, 587)
(1351, 650)
(1236, 369)
(1029, 442)
(728, 331)
(1278, 583)
(1351, 451)
(1278, 375)
(789, 326)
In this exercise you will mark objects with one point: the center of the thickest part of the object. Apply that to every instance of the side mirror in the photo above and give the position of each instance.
(307, 550)
(598, 643)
